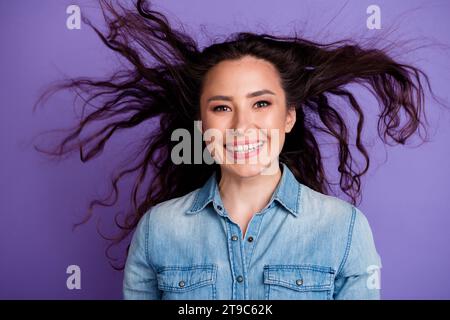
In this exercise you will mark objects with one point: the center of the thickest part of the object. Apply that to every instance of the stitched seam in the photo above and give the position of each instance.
(285, 205)
(230, 253)
(147, 227)
(299, 288)
(300, 267)
(297, 205)
(349, 241)
(193, 286)
(257, 237)
(146, 239)
(194, 206)
(209, 267)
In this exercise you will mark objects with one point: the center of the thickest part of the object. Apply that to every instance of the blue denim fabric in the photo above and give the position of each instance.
(302, 245)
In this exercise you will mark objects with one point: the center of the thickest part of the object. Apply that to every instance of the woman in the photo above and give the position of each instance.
(257, 222)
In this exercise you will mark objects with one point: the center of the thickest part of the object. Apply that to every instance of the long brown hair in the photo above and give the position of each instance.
(164, 85)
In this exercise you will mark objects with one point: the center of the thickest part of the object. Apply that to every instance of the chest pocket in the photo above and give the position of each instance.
(298, 282)
(195, 282)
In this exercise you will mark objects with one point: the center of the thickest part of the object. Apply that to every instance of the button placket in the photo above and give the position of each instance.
(238, 260)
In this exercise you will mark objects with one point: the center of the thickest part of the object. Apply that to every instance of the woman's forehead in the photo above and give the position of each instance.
(239, 77)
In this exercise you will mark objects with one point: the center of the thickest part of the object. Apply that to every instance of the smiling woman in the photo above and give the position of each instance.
(259, 222)
(252, 113)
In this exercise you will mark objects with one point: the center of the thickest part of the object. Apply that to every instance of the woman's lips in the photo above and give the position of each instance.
(244, 150)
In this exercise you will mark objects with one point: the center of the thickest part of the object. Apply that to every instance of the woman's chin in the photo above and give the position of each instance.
(244, 170)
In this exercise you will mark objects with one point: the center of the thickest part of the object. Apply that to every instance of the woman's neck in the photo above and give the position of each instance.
(248, 195)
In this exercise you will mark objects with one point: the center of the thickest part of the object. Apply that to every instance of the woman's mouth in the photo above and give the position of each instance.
(240, 151)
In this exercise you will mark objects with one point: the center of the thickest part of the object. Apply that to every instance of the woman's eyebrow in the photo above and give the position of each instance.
(249, 95)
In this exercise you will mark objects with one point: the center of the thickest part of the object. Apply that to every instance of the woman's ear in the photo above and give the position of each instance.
(291, 116)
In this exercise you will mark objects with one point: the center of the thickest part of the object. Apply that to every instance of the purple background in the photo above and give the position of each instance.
(406, 193)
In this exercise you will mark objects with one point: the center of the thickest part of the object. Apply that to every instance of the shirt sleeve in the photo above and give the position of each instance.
(359, 276)
(140, 282)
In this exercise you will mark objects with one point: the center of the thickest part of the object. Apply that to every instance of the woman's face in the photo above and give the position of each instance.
(244, 110)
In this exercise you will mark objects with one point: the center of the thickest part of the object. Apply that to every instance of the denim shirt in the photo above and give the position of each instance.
(301, 245)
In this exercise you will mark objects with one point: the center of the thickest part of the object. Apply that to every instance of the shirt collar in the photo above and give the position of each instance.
(287, 193)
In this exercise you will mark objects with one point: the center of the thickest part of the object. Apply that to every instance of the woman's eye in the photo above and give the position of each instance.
(264, 104)
(220, 108)
(261, 104)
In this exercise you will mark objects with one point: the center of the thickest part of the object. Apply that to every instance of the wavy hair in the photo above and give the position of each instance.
(163, 86)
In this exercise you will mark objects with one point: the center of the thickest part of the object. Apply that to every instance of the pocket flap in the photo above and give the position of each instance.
(185, 278)
(299, 277)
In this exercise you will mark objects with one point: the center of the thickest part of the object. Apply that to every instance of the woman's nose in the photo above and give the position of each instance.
(241, 121)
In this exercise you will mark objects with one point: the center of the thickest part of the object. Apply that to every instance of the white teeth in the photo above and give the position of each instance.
(245, 147)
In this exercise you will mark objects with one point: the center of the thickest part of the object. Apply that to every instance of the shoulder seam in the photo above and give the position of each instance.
(349, 241)
(298, 205)
(147, 227)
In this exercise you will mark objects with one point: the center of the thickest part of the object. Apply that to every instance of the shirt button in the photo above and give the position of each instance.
(234, 238)
(219, 208)
(250, 239)
(181, 284)
(239, 278)
(299, 282)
